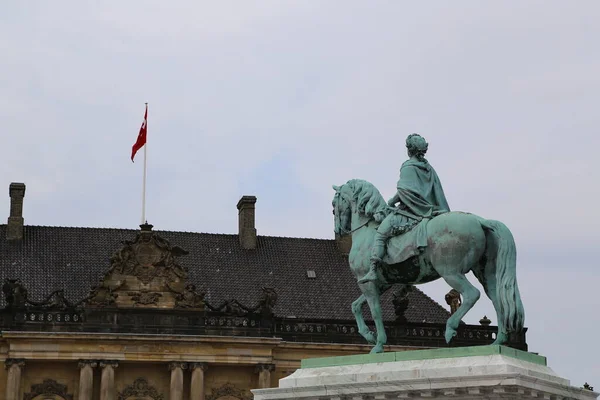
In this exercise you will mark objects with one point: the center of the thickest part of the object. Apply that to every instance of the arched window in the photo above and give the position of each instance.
(139, 390)
(229, 392)
(49, 389)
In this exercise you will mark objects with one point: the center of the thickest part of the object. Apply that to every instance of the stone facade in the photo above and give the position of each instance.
(161, 367)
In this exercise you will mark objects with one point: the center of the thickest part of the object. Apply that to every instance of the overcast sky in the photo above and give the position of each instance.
(282, 99)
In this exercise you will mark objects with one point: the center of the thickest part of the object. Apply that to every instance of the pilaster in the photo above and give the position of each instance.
(13, 381)
(176, 388)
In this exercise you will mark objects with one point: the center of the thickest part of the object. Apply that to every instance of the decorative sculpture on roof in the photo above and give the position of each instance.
(148, 256)
(101, 296)
(144, 273)
(267, 301)
(14, 293)
(453, 300)
(145, 298)
(189, 298)
(264, 306)
(400, 301)
(415, 239)
(16, 297)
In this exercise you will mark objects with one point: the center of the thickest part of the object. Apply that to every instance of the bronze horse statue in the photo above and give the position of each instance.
(457, 243)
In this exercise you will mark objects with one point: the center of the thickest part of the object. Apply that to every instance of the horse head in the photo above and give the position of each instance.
(341, 210)
(358, 196)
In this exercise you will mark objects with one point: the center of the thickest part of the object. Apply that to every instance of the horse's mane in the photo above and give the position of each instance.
(368, 199)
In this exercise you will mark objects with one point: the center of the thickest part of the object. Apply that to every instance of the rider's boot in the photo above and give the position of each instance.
(372, 274)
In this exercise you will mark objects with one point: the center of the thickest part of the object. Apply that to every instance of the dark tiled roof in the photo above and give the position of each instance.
(74, 259)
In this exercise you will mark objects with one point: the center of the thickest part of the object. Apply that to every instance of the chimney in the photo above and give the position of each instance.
(343, 243)
(14, 228)
(247, 229)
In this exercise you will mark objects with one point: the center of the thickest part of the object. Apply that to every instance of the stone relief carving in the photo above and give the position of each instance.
(144, 272)
(229, 389)
(148, 256)
(48, 388)
(189, 298)
(145, 298)
(16, 296)
(101, 296)
(140, 388)
(264, 306)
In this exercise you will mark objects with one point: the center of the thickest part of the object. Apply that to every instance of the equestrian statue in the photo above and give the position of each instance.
(414, 238)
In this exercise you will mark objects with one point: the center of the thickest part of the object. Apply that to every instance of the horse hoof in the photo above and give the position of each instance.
(450, 333)
(501, 339)
(377, 349)
(370, 336)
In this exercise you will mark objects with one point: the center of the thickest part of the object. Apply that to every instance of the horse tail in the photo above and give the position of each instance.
(507, 290)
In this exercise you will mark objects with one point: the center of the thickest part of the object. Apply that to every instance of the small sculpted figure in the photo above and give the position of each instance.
(453, 300)
(15, 293)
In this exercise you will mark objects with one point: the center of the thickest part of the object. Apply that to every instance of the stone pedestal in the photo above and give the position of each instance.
(483, 372)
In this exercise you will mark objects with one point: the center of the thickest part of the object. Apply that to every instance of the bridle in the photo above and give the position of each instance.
(357, 228)
(339, 218)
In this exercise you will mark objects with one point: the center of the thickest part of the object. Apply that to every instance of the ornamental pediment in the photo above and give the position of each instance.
(147, 257)
(145, 273)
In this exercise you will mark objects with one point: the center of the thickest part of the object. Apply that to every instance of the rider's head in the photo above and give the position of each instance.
(416, 145)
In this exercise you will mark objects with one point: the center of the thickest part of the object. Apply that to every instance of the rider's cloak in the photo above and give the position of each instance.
(420, 189)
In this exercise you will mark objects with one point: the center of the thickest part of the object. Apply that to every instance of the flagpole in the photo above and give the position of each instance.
(144, 179)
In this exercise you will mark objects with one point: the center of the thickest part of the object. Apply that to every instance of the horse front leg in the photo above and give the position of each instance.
(371, 293)
(363, 329)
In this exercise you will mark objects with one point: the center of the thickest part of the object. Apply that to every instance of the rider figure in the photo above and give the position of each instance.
(419, 194)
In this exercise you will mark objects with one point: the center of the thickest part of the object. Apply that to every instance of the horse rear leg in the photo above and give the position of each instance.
(470, 296)
(487, 278)
(363, 329)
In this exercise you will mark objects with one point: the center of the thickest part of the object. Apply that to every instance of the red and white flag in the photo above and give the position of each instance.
(141, 139)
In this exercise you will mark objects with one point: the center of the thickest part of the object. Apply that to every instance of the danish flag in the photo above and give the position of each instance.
(141, 139)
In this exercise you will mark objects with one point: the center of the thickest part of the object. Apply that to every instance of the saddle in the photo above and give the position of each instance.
(401, 248)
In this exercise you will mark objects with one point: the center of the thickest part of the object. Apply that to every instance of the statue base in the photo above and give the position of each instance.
(481, 372)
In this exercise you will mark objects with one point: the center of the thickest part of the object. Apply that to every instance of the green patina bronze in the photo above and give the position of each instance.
(414, 238)
(432, 354)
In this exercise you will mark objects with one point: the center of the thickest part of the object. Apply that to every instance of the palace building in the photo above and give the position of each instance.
(123, 314)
